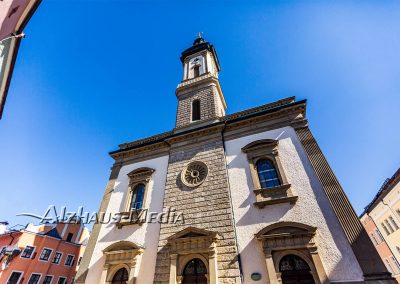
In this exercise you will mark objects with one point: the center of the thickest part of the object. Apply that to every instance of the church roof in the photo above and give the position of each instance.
(238, 116)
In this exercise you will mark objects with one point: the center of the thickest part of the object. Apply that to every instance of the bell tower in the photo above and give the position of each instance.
(200, 97)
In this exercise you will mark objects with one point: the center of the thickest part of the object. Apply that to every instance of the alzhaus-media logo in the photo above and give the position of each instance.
(52, 216)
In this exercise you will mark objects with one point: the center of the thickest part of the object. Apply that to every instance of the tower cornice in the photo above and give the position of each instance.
(197, 83)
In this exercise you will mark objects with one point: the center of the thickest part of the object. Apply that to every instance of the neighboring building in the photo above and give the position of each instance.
(381, 220)
(14, 15)
(247, 197)
(48, 254)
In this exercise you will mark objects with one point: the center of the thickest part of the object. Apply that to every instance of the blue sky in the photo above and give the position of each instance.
(93, 74)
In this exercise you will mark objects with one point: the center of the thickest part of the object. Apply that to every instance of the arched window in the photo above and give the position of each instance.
(294, 269)
(137, 197)
(196, 71)
(196, 110)
(121, 277)
(195, 272)
(267, 173)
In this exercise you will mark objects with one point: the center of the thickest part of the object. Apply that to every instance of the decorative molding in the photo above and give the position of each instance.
(140, 175)
(130, 218)
(284, 238)
(282, 113)
(268, 149)
(194, 174)
(192, 243)
(279, 194)
(192, 240)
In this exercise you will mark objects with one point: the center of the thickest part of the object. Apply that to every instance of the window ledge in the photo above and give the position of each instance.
(275, 195)
(130, 218)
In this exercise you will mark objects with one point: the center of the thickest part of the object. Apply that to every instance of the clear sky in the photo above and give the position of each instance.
(93, 74)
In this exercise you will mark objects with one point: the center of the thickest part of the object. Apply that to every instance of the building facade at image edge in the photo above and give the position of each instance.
(259, 201)
(381, 220)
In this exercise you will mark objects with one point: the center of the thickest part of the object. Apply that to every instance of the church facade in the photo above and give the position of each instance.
(241, 198)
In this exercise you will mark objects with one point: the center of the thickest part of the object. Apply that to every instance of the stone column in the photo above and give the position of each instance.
(321, 275)
(213, 266)
(103, 277)
(172, 268)
(131, 279)
(270, 267)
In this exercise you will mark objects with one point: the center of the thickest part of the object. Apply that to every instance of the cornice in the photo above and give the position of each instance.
(278, 114)
(206, 80)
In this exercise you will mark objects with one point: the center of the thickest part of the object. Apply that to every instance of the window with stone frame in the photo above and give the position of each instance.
(196, 110)
(270, 185)
(136, 196)
(267, 173)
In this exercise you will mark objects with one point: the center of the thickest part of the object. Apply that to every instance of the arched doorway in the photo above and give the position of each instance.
(195, 272)
(294, 270)
(120, 277)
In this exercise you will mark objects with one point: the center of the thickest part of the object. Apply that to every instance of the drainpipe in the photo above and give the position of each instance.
(230, 198)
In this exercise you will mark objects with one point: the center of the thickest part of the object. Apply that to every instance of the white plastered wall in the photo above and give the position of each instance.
(312, 208)
(146, 235)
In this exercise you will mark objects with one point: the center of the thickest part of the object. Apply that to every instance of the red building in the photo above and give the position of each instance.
(48, 254)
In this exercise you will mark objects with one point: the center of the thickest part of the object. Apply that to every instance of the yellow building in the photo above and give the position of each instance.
(384, 211)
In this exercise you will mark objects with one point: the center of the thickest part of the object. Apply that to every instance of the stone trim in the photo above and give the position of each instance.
(279, 194)
(283, 238)
(268, 149)
(94, 235)
(122, 254)
(193, 243)
(136, 177)
(363, 248)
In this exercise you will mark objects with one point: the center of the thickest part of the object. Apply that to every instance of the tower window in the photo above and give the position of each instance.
(196, 71)
(196, 110)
